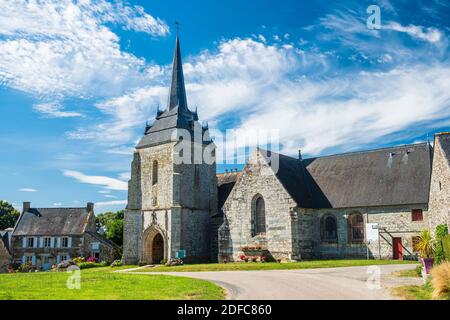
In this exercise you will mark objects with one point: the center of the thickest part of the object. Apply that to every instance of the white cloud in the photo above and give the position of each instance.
(109, 196)
(125, 176)
(104, 191)
(27, 190)
(432, 35)
(106, 182)
(111, 203)
(55, 110)
(66, 48)
(273, 86)
(57, 204)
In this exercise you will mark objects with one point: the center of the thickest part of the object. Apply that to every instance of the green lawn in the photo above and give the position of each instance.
(271, 265)
(104, 284)
(414, 292)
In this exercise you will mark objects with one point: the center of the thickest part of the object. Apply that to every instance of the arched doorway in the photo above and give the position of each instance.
(157, 249)
(154, 246)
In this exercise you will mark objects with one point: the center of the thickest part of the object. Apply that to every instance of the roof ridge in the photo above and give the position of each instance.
(367, 150)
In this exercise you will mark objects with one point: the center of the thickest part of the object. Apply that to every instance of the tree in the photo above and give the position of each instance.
(8, 215)
(114, 231)
(112, 222)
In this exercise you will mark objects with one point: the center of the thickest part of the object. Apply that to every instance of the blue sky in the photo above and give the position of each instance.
(78, 80)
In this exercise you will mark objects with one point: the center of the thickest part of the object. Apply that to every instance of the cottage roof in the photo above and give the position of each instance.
(52, 221)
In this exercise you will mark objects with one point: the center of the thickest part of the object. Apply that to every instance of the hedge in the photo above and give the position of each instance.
(446, 247)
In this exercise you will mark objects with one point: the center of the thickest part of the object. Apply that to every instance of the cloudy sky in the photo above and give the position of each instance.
(79, 79)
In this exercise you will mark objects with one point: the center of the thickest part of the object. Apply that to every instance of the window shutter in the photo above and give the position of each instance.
(23, 259)
(69, 242)
(33, 260)
(58, 242)
(35, 242)
(58, 259)
(41, 244)
(24, 242)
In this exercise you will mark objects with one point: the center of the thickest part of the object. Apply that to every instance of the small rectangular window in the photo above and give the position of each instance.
(47, 242)
(28, 259)
(64, 242)
(30, 242)
(417, 214)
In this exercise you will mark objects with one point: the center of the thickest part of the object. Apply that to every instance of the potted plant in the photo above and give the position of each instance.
(426, 247)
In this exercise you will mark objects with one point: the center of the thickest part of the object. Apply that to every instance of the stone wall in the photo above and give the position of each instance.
(5, 257)
(395, 221)
(440, 187)
(176, 207)
(76, 249)
(257, 179)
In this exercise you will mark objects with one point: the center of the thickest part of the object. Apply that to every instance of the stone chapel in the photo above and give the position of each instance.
(306, 209)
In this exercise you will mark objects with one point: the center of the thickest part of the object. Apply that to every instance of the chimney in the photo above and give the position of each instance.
(26, 206)
(90, 207)
(300, 154)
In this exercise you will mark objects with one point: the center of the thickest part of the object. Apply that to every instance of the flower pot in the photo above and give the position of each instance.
(427, 264)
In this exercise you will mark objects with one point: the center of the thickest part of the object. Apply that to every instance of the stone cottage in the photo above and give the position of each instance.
(294, 208)
(46, 236)
(440, 182)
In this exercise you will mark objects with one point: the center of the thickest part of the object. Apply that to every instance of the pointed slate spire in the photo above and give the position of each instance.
(177, 95)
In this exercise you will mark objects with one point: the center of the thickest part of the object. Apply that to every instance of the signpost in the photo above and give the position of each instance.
(372, 234)
(180, 254)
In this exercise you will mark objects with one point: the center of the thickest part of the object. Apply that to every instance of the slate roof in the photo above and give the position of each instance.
(225, 183)
(5, 236)
(444, 140)
(177, 115)
(52, 221)
(383, 177)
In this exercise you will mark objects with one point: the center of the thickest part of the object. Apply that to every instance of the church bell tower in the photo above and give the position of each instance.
(172, 193)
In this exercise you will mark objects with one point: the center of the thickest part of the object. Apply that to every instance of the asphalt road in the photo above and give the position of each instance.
(348, 283)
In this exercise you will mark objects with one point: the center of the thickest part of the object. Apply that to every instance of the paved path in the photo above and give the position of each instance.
(349, 283)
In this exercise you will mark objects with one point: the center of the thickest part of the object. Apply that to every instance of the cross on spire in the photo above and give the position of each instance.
(177, 25)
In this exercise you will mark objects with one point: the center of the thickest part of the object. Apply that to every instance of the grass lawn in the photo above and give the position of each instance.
(412, 273)
(104, 284)
(414, 292)
(271, 265)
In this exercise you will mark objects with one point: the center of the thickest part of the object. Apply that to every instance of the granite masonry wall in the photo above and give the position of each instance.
(439, 188)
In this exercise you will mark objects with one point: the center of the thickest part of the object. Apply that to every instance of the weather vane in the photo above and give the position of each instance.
(177, 25)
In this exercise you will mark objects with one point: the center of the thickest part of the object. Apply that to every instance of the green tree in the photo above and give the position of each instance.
(114, 231)
(8, 215)
(112, 222)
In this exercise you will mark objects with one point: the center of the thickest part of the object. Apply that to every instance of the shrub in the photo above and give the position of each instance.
(174, 262)
(92, 259)
(441, 281)
(26, 267)
(117, 263)
(418, 271)
(88, 265)
(426, 244)
(446, 247)
(441, 232)
(78, 260)
(163, 261)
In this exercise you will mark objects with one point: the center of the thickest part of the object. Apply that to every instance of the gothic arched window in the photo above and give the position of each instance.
(259, 216)
(328, 228)
(155, 172)
(356, 227)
